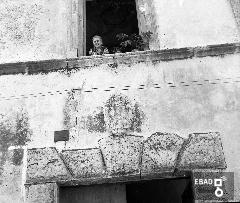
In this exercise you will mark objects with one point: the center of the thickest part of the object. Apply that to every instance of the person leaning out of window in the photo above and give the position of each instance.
(98, 47)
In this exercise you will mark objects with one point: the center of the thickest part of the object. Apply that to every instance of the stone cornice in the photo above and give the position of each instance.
(113, 60)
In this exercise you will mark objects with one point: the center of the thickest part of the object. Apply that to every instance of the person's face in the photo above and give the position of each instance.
(97, 42)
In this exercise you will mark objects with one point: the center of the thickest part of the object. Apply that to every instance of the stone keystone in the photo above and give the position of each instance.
(121, 154)
(160, 153)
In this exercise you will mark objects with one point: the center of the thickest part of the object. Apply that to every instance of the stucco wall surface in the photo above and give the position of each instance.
(236, 11)
(183, 23)
(48, 29)
(11, 178)
(182, 97)
(35, 30)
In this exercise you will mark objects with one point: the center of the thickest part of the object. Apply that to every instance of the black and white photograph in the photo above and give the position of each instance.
(119, 101)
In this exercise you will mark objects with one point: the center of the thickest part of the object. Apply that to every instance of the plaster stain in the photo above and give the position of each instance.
(17, 157)
(70, 110)
(118, 113)
(14, 133)
(96, 122)
(6, 136)
(122, 116)
(23, 131)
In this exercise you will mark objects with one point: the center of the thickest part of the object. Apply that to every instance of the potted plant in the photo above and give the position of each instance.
(134, 42)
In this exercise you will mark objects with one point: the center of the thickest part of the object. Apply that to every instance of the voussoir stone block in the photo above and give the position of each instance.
(122, 154)
(46, 165)
(202, 151)
(44, 193)
(84, 163)
(160, 152)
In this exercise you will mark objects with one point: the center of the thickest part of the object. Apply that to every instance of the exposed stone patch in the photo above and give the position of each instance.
(118, 115)
(160, 152)
(14, 130)
(11, 179)
(17, 156)
(6, 136)
(46, 164)
(44, 193)
(138, 118)
(84, 163)
(93, 122)
(122, 154)
(202, 150)
(23, 132)
(96, 122)
(122, 116)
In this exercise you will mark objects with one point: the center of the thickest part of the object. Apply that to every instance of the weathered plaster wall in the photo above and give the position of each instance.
(35, 30)
(48, 105)
(236, 10)
(183, 23)
(181, 96)
(43, 29)
(11, 177)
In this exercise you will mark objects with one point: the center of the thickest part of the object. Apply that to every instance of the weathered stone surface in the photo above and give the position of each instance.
(121, 154)
(84, 163)
(202, 150)
(44, 165)
(160, 152)
(44, 193)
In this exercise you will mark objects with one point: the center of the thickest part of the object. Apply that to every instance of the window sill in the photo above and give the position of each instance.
(129, 58)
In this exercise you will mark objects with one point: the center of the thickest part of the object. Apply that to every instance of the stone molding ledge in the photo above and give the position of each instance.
(124, 158)
(113, 60)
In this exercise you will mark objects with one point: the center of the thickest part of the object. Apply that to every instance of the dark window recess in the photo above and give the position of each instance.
(62, 135)
(108, 18)
(154, 191)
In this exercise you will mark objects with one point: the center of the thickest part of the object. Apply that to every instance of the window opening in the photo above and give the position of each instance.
(107, 19)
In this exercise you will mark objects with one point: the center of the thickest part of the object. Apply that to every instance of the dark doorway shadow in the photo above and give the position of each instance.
(157, 191)
(152, 191)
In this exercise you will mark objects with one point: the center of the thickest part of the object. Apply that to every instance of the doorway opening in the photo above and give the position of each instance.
(108, 18)
(177, 190)
(164, 190)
